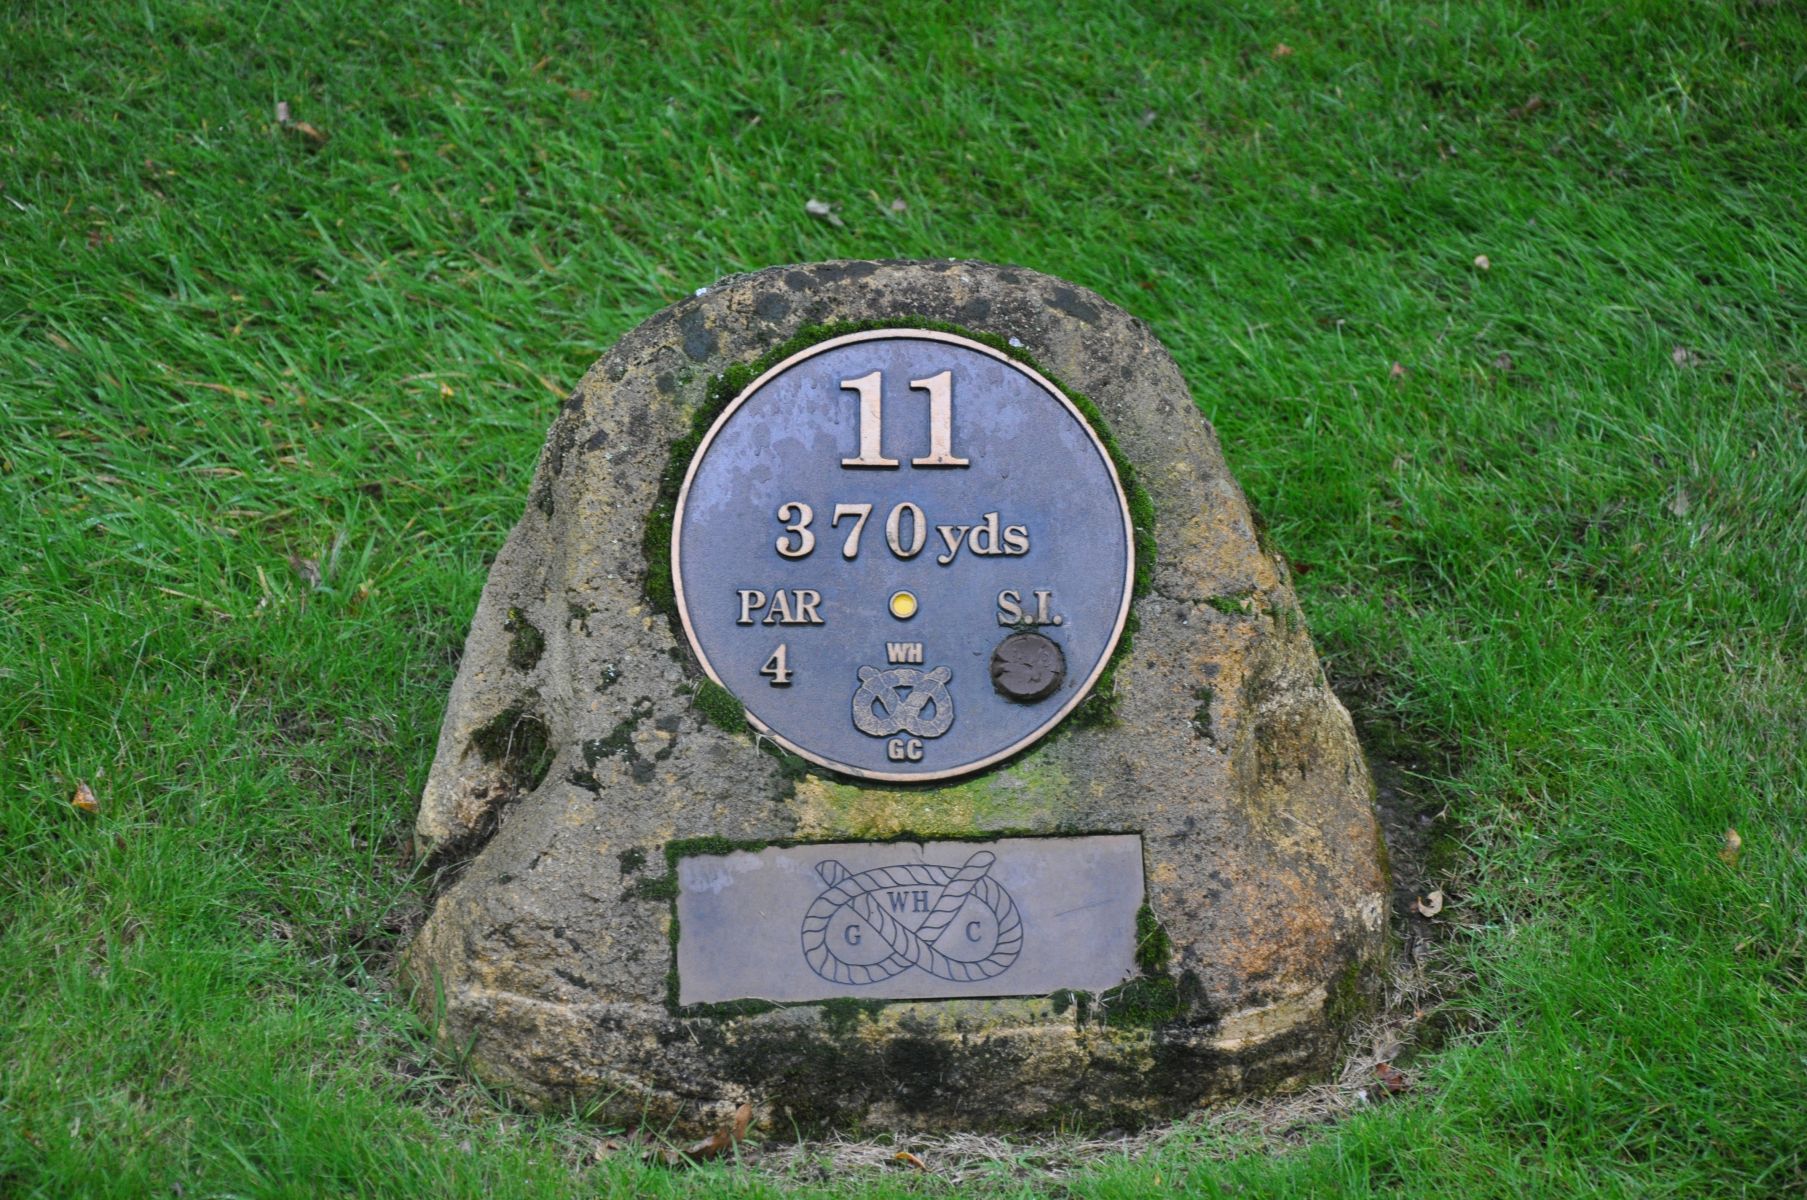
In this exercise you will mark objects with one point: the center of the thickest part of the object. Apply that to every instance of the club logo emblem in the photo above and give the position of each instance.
(956, 923)
(913, 702)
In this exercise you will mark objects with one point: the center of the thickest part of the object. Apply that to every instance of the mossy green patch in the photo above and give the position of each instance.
(1142, 1002)
(843, 1014)
(1153, 946)
(525, 642)
(1030, 795)
(1201, 716)
(1154, 997)
(654, 887)
(1236, 604)
(618, 743)
(718, 704)
(1346, 1000)
(1080, 1003)
(518, 740)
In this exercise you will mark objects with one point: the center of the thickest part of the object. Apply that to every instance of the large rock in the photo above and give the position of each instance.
(574, 751)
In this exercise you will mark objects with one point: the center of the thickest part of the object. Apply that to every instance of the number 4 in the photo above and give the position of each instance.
(777, 667)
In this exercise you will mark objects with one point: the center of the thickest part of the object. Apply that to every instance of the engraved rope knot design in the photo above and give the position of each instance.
(903, 714)
(911, 947)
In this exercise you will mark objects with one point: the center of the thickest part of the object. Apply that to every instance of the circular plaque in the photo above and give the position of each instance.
(906, 554)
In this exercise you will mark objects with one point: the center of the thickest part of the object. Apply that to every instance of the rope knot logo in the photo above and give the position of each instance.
(903, 711)
(956, 923)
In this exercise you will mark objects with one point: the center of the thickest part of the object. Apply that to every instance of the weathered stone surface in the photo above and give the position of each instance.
(548, 958)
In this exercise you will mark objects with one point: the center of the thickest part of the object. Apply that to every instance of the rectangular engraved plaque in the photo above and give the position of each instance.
(908, 920)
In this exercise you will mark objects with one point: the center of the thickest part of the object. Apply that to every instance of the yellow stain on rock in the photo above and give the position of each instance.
(1252, 1026)
(1023, 797)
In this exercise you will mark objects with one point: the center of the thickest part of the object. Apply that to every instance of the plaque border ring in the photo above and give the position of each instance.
(1041, 381)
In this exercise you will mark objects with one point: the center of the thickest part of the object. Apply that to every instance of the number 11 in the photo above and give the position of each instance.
(941, 422)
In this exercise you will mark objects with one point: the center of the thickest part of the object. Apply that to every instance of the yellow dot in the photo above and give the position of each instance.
(903, 605)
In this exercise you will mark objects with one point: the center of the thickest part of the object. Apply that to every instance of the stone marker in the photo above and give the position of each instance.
(887, 711)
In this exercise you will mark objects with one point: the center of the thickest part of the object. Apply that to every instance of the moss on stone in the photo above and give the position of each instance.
(843, 1014)
(619, 743)
(1029, 796)
(792, 770)
(1154, 997)
(1346, 1000)
(719, 706)
(1236, 604)
(1079, 1002)
(725, 1010)
(1141, 1003)
(631, 860)
(1100, 708)
(1201, 716)
(1153, 946)
(520, 742)
(661, 887)
(525, 642)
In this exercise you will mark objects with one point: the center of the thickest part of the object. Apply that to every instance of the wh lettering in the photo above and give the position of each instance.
(903, 652)
(916, 901)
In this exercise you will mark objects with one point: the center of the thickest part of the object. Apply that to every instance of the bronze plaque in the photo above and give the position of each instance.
(905, 553)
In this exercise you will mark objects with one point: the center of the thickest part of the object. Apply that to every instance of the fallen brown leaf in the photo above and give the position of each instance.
(1282, 50)
(314, 135)
(1680, 503)
(1391, 1078)
(1503, 362)
(910, 1160)
(730, 1135)
(1681, 356)
(1397, 371)
(85, 798)
(1527, 108)
(1728, 853)
(1430, 904)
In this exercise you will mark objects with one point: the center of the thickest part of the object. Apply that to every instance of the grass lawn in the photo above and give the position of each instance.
(270, 396)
